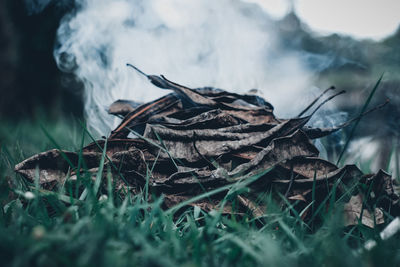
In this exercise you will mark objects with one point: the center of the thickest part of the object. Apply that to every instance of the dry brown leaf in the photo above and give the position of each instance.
(196, 140)
(353, 210)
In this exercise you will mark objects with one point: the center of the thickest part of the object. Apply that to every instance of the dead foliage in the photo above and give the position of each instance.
(193, 141)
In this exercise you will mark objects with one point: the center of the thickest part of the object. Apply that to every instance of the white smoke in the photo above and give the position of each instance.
(228, 44)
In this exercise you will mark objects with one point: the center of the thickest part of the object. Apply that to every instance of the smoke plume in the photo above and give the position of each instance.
(227, 44)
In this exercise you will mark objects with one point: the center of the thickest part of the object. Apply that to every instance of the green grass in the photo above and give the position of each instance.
(363, 109)
(103, 229)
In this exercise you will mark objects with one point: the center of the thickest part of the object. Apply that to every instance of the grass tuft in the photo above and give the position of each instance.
(43, 228)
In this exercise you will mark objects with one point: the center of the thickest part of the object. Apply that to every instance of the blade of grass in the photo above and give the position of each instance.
(305, 209)
(99, 174)
(110, 189)
(57, 146)
(162, 143)
(364, 202)
(230, 188)
(286, 229)
(240, 243)
(111, 163)
(313, 197)
(353, 129)
(44, 192)
(11, 163)
(296, 214)
(80, 157)
(326, 198)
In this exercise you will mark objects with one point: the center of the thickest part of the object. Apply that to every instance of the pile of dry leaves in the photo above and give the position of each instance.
(193, 141)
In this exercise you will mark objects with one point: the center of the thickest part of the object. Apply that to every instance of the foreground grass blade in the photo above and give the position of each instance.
(99, 174)
(353, 129)
(230, 188)
(57, 146)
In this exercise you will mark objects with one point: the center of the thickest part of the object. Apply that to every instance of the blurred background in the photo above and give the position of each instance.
(351, 55)
(30, 81)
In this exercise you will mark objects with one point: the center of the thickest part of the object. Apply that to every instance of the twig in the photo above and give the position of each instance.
(201, 155)
(315, 101)
(137, 69)
(327, 100)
